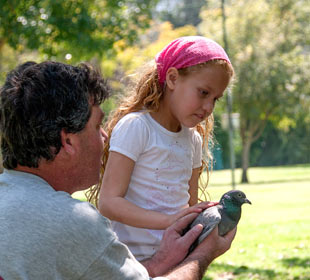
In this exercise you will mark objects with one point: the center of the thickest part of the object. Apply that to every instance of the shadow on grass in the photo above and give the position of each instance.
(245, 272)
(296, 262)
(230, 272)
(262, 182)
(281, 181)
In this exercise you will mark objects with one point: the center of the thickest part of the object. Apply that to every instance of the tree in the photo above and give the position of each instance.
(180, 12)
(71, 30)
(129, 60)
(268, 42)
(75, 29)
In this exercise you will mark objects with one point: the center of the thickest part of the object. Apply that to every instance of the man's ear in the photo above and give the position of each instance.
(172, 75)
(68, 142)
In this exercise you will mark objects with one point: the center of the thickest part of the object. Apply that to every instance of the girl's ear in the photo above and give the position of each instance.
(68, 142)
(172, 76)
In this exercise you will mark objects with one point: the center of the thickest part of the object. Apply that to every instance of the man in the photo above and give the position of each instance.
(52, 143)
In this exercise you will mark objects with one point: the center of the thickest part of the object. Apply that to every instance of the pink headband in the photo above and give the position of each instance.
(187, 51)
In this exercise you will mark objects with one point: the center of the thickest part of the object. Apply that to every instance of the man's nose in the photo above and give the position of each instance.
(104, 135)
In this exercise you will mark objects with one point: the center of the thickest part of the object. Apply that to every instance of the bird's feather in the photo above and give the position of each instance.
(209, 218)
(228, 225)
(226, 215)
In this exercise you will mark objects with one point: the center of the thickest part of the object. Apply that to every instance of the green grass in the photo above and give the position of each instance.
(273, 238)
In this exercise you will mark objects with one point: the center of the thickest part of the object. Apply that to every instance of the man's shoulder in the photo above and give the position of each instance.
(76, 212)
(56, 211)
(82, 220)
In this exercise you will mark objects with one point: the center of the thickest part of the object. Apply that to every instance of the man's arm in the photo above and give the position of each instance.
(169, 259)
(196, 264)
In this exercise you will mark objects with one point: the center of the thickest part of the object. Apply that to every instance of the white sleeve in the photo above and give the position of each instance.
(129, 136)
(197, 144)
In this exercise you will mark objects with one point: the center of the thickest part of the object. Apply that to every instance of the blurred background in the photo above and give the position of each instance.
(268, 41)
(262, 127)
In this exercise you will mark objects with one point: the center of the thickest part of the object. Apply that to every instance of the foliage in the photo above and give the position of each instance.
(180, 12)
(74, 29)
(150, 44)
(268, 42)
(129, 62)
(268, 45)
(282, 146)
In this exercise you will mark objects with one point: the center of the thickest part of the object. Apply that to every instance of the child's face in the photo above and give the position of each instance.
(194, 96)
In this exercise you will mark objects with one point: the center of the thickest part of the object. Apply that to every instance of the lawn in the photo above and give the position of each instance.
(273, 238)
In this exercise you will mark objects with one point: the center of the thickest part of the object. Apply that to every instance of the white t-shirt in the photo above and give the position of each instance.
(163, 167)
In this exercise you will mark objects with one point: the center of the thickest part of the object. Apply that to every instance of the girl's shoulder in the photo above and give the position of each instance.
(196, 137)
(193, 131)
(134, 118)
(130, 135)
(135, 121)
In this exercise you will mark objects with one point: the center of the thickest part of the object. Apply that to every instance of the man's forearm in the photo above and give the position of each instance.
(189, 269)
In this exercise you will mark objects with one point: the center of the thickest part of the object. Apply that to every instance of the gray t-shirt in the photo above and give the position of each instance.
(46, 234)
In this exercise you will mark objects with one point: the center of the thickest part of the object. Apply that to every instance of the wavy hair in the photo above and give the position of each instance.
(147, 95)
(37, 101)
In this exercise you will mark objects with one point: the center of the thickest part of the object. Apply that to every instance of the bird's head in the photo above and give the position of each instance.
(235, 197)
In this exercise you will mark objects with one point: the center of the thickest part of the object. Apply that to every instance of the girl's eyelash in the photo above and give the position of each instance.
(218, 99)
(204, 92)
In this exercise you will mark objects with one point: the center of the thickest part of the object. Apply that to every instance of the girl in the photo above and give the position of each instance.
(154, 158)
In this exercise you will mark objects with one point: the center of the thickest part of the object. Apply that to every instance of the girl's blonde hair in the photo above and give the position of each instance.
(147, 95)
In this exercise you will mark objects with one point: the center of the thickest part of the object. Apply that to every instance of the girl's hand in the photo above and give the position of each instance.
(199, 207)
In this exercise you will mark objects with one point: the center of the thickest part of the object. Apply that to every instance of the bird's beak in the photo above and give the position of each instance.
(247, 201)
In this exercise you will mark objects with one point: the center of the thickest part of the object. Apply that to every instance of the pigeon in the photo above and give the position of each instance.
(226, 215)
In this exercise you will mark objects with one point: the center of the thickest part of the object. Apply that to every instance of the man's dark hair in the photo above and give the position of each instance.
(37, 101)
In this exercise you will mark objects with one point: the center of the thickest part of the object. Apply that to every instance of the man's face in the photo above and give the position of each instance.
(92, 139)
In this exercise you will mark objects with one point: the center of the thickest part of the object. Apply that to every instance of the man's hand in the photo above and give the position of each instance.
(212, 247)
(173, 247)
(196, 264)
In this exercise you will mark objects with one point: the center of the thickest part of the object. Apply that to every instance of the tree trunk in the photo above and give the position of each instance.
(245, 159)
(1, 165)
(2, 41)
(250, 132)
(246, 146)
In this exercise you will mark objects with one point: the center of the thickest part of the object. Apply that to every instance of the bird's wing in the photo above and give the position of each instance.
(209, 218)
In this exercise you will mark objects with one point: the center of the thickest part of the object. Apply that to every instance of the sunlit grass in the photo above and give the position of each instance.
(273, 239)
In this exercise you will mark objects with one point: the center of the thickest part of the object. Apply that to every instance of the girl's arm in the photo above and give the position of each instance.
(193, 187)
(114, 206)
